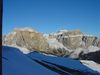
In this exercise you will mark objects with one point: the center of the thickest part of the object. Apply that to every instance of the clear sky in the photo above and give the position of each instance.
(52, 15)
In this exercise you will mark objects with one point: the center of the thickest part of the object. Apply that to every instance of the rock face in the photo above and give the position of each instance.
(64, 43)
(76, 39)
(26, 37)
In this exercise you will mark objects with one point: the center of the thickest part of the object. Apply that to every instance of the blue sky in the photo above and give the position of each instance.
(52, 15)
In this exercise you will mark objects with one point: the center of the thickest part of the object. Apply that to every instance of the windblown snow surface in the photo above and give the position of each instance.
(15, 62)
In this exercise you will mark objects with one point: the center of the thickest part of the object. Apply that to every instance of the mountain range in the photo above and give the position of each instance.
(68, 44)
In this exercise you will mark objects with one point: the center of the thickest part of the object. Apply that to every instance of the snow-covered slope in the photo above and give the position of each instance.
(67, 65)
(92, 49)
(15, 62)
(91, 64)
(22, 49)
(54, 44)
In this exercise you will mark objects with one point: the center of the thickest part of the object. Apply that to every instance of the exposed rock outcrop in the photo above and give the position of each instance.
(76, 39)
(26, 37)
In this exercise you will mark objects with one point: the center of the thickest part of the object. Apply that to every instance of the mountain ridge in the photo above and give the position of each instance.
(63, 43)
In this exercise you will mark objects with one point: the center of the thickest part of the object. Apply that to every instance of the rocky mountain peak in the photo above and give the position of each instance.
(26, 37)
(74, 32)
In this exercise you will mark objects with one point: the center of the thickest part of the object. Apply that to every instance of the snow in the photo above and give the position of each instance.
(92, 49)
(82, 43)
(15, 62)
(10, 35)
(68, 63)
(24, 29)
(53, 33)
(22, 49)
(75, 53)
(48, 55)
(13, 33)
(54, 44)
(91, 64)
(46, 35)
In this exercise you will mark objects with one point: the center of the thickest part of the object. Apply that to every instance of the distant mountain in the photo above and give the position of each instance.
(73, 44)
(14, 62)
